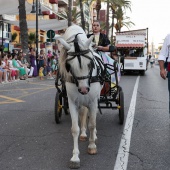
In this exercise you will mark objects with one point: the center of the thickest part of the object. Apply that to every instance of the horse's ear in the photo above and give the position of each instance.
(88, 42)
(62, 41)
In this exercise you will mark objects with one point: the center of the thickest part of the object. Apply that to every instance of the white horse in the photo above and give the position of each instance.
(81, 69)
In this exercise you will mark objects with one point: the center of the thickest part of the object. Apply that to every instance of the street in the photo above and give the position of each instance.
(31, 140)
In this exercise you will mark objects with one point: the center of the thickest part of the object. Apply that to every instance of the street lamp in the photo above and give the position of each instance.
(36, 8)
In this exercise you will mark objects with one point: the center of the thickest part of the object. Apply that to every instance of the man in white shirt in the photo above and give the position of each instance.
(163, 57)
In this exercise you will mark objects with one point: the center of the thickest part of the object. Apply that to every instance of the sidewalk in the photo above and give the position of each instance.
(26, 81)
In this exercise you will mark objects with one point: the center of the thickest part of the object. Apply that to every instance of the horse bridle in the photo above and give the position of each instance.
(78, 53)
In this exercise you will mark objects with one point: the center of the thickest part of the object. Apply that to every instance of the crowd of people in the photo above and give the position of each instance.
(17, 65)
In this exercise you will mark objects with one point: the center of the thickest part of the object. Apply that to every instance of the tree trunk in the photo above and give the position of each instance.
(70, 2)
(112, 26)
(107, 19)
(82, 15)
(98, 7)
(23, 26)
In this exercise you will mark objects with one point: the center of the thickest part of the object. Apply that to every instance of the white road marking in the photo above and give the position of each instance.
(123, 152)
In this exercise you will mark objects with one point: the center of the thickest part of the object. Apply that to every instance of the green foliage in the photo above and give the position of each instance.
(14, 36)
(75, 15)
(31, 38)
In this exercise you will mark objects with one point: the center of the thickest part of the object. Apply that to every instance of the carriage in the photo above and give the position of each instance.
(111, 96)
(85, 84)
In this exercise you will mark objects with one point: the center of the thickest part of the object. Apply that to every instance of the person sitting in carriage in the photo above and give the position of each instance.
(102, 45)
(101, 42)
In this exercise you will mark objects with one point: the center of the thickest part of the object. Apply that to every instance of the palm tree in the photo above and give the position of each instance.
(82, 15)
(32, 38)
(23, 25)
(98, 7)
(14, 36)
(117, 7)
(70, 2)
(75, 15)
(122, 20)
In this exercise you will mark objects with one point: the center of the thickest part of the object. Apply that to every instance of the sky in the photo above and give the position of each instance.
(151, 14)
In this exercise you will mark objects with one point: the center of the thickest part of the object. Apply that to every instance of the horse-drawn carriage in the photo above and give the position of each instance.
(111, 96)
(84, 81)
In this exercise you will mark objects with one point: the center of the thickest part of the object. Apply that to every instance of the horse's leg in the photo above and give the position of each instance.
(92, 149)
(83, 121)
(75, 161)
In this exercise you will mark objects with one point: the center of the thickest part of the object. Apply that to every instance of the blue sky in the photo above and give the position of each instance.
(151, 14)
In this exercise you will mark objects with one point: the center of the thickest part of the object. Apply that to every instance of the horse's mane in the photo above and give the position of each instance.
(62, 61)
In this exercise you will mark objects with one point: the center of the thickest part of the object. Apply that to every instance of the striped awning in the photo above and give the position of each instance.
(129, 45)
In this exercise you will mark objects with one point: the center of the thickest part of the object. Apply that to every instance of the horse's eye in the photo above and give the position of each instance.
(89, 65)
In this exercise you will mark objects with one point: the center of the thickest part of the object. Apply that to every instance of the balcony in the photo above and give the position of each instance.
(6, 35)
(46, 12)
(16, 28)
(52, 16)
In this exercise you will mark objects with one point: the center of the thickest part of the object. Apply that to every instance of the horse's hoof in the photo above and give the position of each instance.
(83, 138)
(74, 165)
(92, 151)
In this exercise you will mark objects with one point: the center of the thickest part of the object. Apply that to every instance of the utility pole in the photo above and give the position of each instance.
(2, 39)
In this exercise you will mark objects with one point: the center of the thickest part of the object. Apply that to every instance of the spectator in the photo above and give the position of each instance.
(152, 60)
(20, 58)
(6, 68)
(41, 60)
(54, 65)
(48, 68)
(22, 72)
(33, 62)
(3, 73)
(29, 69)
(15, 71)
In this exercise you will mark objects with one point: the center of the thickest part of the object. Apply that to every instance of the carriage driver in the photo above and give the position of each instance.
(103, 45)
(101, 40)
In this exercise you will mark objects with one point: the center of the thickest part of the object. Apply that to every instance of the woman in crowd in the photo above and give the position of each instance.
(15, 71)
(5, 67)
(22, 72)
(41, 60)
(3, 73)
(33, 62)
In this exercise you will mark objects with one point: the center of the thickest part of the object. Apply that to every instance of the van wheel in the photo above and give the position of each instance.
(142, 72)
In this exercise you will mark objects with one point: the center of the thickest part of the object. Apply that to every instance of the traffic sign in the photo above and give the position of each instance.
(50, 34)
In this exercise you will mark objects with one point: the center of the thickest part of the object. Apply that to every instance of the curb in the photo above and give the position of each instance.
(24, 81)
(18, 82)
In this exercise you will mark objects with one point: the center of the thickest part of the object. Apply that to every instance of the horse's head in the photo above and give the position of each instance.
(79, 62)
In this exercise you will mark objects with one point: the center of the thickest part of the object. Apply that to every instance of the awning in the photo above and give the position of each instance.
(129, 45)
(45, 24)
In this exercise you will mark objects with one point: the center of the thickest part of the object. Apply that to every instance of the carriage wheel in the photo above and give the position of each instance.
(66, 108)
(121, 107)
(58, 107)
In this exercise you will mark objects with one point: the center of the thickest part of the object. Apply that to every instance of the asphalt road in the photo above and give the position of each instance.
(31, 140)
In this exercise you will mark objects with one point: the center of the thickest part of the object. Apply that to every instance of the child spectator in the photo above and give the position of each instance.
(54, 65)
